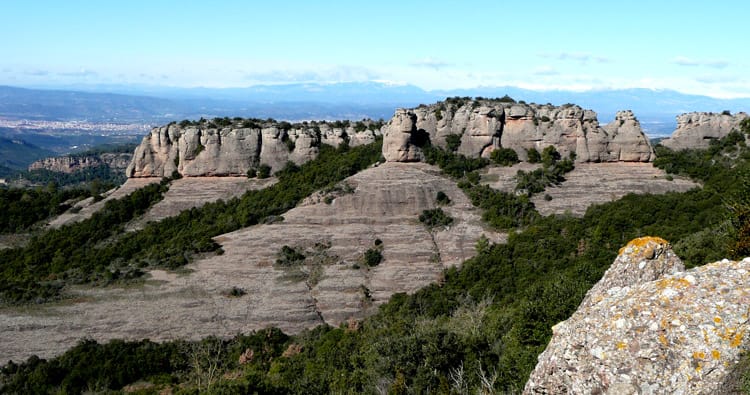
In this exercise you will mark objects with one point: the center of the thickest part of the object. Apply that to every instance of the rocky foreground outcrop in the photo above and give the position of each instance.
(649, 327)
(484, 125)
(697, 129)
(205, 149)
(71, 164)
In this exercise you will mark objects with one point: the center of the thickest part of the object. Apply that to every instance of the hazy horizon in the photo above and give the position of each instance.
(433, 45)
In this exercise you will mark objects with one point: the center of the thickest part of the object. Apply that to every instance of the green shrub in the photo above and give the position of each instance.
(252, 173)
(373, 257)
(442, 199)
(533, 155)
(289, 256)
(453, 141)
(504, 156)
(264, 171)
(435, 217)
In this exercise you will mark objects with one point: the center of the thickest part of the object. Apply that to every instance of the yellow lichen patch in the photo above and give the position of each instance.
(663, 339)
(677, 283)
(699, 355)
(737, 339)
(640, 242)
(717, 320)
(622, 345)
(698, 367)
(715, 354)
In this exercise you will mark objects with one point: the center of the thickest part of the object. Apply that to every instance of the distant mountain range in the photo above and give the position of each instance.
(656, 109)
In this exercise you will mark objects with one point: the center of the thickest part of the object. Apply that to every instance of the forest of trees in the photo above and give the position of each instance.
(480, 329)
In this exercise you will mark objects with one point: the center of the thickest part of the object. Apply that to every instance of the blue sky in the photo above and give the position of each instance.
(689, 46)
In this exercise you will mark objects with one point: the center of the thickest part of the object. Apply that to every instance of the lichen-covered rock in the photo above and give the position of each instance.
(697, 129)
(649, 328)
(207, 150)
(488, 124)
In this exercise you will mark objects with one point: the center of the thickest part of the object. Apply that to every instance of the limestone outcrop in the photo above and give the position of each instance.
(697, 129)
(205, 149)
(649, 327)
(484, 125)
(70, 164)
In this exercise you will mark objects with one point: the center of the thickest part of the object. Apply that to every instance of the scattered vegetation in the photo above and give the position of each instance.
(89, 252)
(264, 171)
(20, 208)
(480, 329)
(551, 173)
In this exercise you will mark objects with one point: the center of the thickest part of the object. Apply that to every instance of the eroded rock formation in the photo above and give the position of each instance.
(207, 150)
(484, 125)
(697, 129)
(649, 327)
(70, 164)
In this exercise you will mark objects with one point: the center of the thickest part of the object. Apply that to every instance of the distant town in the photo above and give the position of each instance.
(113, 128)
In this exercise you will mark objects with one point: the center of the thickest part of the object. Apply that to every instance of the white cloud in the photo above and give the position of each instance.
(581, 57)
(545, 71)
(685, 61)
(430, 63)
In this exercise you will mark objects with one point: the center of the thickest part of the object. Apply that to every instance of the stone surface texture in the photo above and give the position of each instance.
(649, 327)
(697, 129)
(205, 150)
(485, 125)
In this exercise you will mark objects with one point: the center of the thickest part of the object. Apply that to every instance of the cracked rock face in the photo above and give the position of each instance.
(648, 327)
(697, 129)
(484, 125)
(196, 151)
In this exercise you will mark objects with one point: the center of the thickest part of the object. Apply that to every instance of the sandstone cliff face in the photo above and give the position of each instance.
(697, 129)
(485, 125)
(648, 327)
(203, 150)
(70, 164)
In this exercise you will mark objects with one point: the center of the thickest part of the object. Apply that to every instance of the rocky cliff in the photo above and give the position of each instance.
(206, 149)
(649, 327)
(70, 164)
(484, 125)
(697, 129)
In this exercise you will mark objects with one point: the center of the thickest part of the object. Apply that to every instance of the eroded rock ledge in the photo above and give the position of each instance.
(649, 327)
(209, 150)
(697, 129)
(484, 125)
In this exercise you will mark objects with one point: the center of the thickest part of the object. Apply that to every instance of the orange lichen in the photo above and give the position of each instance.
(663, 339)
(717, 320)
(715, 354)
(622, 345)
(640, 242)
(699, 355)
(737, 339)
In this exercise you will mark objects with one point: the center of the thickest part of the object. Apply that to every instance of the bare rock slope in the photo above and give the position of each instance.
(484, 125)
(649, 327)
(189, 192)
(331, 284)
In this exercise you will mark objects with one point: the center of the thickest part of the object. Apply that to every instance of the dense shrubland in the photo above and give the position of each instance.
(480, 328)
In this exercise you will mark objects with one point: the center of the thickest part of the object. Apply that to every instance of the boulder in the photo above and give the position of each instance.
(649, 327)
(402, 141)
